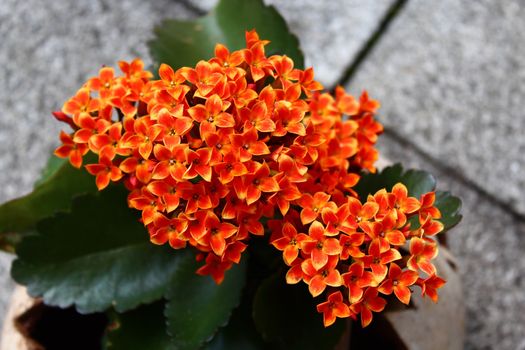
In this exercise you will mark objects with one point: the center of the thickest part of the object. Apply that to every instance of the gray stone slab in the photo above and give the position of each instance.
(46, 52)
(330, 32)
(450, 76)
(489, 246)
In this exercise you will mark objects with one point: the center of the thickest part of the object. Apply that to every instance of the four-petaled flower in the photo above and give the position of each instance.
(332, 308)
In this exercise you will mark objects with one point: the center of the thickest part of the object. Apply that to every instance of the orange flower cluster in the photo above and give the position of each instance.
(207, 152)
(341, 244)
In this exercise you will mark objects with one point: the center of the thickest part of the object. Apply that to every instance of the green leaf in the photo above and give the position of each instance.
(450, 208)
(48, 197)
(240, 332)
(287, 315)
(417, 182)
(197, 306)
(52, 166)
(183, 43)
(95, 257)
(139, 329)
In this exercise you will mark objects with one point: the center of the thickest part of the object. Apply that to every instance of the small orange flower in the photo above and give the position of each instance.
(248, 145)
(318, 278)
(356, 279)
(371, 302)
(216, 233)
(105, 171)
(422, 251)
(289, 243)
(313, 206)
(332, 308)
(398, 282)
(320, 247)
(430, 286)
(70, 149)
(252, 185)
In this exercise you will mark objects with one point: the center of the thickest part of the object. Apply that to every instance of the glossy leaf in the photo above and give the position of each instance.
(183, 43)
(450, 207)
(197, 306)
(97, 256)
(49, 196)
(139, 329)
(286, 315)
(416, 181)
(240, 332)
(52, 166)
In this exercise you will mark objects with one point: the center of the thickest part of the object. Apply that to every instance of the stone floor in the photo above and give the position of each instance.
(449, 75)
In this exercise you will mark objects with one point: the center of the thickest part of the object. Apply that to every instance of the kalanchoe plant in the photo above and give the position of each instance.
(253, 176)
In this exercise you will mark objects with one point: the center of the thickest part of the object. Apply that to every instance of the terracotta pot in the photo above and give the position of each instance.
(12, 338)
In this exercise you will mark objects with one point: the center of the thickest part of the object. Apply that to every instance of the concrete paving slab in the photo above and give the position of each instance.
(331, 32)
(489, 246)
(450, 75)
(46, 53)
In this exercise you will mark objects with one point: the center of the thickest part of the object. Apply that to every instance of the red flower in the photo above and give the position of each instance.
(313, 205)
(196, 195)
(371, 302)
(318, 278)
(199, 164)
(172, 162)
(105, 172)
(398, 281)
(214, 232)
(428, 227)
(356, 279)
(377, 261)
(332, 308)
(248, 145)
(320, 247)
(427, 207)
(422, 251)
(252, 185)
(430, 286)
(166, 190)
(70, 149)
(215, 267)
(145, 134)
(146, 202)
(169, 230)
(81, 104)
(104, 82)
(289, 243)
(212, 114)
(204, 76)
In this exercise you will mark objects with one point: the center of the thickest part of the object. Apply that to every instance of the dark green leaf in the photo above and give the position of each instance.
(183, 43)
(287, 315)
(141, 329)
(52, 166)
(97, 256)
(450, 207)
(240, 332)
(416, 181)
(49, 196)
(197, 306)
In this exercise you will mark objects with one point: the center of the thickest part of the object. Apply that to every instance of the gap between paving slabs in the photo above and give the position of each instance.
(395, 9)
